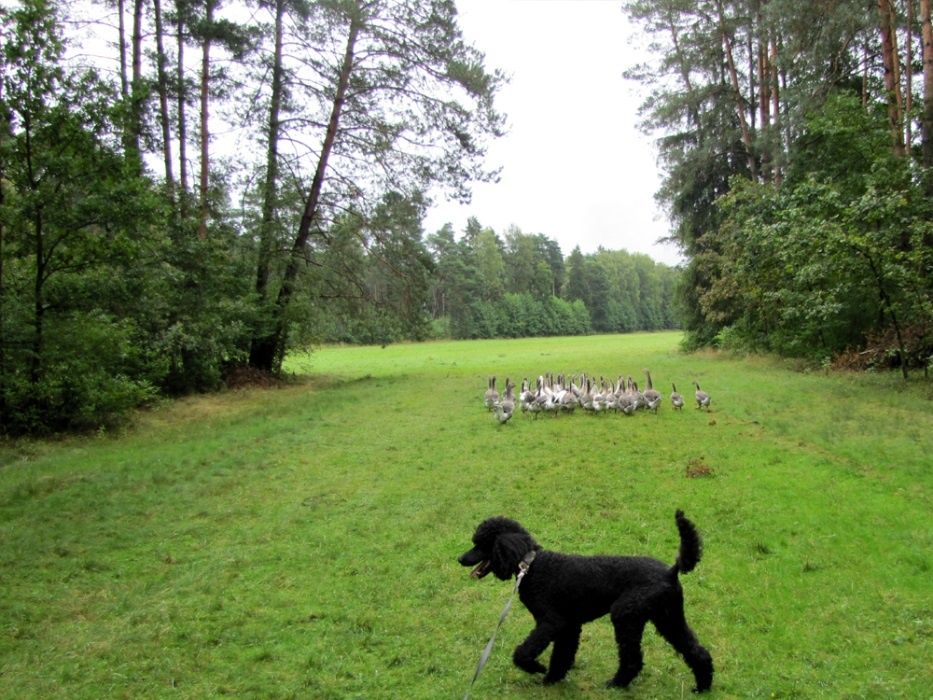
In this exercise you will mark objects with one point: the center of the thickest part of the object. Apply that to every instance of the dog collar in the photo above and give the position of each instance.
(526, 562)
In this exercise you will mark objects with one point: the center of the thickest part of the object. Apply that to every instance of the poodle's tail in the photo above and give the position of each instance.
(691, 546)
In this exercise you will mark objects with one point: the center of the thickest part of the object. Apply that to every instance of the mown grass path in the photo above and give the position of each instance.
(301, 541)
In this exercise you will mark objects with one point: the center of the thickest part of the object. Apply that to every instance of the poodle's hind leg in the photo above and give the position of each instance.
(672, 625)
(564, 652)
(629, 622)
(527, 653)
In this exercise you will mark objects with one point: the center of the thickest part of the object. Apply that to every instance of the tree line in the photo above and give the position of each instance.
(139, 259)
(487, 286)
(797, 145)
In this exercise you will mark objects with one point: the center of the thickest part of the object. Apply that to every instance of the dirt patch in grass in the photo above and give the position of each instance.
(243, 376)
(698, 469)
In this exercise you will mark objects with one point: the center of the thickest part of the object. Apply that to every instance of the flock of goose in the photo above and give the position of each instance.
(561, 394)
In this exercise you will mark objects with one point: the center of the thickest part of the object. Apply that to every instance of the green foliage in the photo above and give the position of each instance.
(806, 228)
(106, 296)
(813, 267)
(199, 311)
(88, 377)
(371, 282)
(609, 291)
(75, 230)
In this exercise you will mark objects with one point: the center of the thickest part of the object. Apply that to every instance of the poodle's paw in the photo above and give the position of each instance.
(551, 679)
(530, 666)
(704, 683)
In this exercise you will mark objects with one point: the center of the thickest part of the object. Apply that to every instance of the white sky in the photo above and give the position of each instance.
(575, 167)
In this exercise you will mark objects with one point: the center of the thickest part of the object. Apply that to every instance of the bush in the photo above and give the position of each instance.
(85, 381)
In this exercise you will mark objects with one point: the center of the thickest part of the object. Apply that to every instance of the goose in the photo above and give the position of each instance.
(587, 399)
(627, 404)
(677, 401)
(599, 396)
(578, 388)
(653, 404)
(639, 397)
(652, 396)
(505, 408)
(491, 397)
(558, 393)
(552, 395)
(702, 397)
(527, 397)
(626, 401)
(612, 399)
(568, 400)
(541, 398)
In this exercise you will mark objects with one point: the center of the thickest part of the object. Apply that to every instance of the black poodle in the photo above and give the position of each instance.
(564, 591)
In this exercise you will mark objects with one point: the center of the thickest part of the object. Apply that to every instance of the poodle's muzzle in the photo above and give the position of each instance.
(478, 559)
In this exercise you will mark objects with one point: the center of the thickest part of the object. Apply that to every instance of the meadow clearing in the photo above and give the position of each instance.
(301, 541)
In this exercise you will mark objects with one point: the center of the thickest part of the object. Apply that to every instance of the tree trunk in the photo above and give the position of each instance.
(887, 304)
(121, 47)
(739, 98)
(6, 120)
(892, 82)
(927, 119)
(764, 102)
(203, 207)
(909, 78)
(182, 127)
(136, 89)
(777, 143)
(124, 75)
(270, 188)
(693, 107)
(35, 362)
(163, 101)
(268, 351)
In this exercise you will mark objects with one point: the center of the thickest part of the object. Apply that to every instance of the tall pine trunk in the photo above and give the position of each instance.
(137, 93)
(162, 86)
(6, 120)
(270, 187)
(268, 350)
(684, 69)
(124, 76)
(182, 118)
(764, 105)
(38, 288)
(740, 104)
(203, 205)
(927, 119)
(258, 347)
(776, 138)
(892, 74)
(909, 77)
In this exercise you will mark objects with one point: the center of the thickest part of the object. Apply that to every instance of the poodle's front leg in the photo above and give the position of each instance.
(563, 654)
(527, 653)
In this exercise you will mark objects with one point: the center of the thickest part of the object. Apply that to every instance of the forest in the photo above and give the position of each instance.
(140, 259)
(796, 140)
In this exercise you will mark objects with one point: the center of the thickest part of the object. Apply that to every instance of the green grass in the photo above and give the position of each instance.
(301, 541)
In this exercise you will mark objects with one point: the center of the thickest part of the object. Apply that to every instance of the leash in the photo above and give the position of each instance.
(484, 657)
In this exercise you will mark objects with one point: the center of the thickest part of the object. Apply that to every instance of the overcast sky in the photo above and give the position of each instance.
(574, 165)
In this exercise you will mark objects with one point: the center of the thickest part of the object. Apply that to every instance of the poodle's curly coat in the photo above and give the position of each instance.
(563, 591)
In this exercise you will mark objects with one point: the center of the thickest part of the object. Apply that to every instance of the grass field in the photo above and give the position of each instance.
(301, 541)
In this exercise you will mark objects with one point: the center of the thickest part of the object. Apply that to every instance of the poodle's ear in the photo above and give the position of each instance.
(508, 551)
